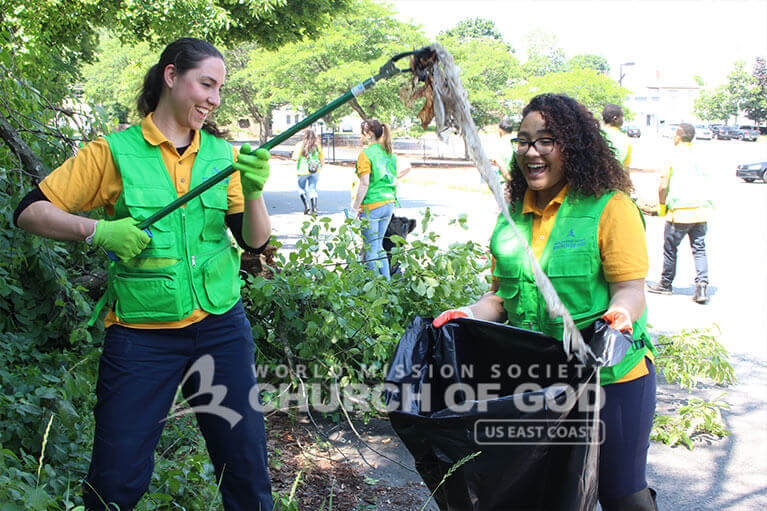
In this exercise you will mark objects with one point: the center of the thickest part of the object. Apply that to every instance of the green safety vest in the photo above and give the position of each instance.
(572, 262)
(205, 273)
(688, 182)
(619, 142)
(383, 174)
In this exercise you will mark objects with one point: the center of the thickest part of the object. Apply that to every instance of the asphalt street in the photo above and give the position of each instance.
(715, 475)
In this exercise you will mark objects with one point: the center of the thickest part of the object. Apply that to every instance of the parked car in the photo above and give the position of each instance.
(632, 131)
(749, 133)
(669, 130)
(733, 132)
(702, 132)
(718, 131)
(750, 172)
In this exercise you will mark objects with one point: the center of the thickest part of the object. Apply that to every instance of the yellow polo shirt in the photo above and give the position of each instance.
(621, 240)
(91, 180)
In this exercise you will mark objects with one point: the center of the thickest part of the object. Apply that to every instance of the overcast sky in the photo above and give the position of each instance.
(672, 39)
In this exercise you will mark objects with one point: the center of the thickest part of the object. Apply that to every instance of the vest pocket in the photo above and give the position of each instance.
(215, 204)
(221, 278)
(572, 278)
(143, 203)
(148, 297)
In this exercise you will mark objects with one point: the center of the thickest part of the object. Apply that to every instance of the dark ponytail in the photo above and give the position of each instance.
(379, 130)
(185, 54)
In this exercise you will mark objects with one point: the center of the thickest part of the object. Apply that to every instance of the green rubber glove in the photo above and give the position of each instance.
(254, 171)
(121, 237)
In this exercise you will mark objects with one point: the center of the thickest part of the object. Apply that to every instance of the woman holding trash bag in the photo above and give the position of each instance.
(568, 197)
(176, 315)
(377, 192)
(308, 154)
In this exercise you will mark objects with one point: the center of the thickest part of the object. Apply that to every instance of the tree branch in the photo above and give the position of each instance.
(29, 160)
(357, 108)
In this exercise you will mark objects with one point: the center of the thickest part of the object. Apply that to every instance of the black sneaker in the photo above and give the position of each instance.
(659, 288)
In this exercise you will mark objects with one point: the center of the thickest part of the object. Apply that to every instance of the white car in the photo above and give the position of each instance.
(669, 130)
(702, 132)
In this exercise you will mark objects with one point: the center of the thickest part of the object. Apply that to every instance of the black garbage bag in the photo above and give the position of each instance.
(509, 394)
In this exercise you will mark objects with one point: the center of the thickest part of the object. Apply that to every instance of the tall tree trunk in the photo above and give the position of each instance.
(357, 108)
(29, 160)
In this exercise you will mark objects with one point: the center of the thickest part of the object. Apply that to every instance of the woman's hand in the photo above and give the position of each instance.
(487, 308)
(449, 315)
(627, 303)
(254, 171)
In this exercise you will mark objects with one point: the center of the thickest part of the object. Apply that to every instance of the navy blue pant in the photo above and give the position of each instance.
(139, 373)
(628, 415)
(673, 234)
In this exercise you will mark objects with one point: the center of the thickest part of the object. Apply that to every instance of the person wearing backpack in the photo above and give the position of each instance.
(310, 160)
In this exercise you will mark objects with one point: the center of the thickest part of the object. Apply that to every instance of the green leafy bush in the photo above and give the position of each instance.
(695, 417)
(692, 355)
(325, 311)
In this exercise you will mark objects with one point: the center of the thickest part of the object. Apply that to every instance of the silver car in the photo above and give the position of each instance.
(702, 132)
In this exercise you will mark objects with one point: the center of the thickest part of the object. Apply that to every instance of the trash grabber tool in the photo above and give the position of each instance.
(388, 70)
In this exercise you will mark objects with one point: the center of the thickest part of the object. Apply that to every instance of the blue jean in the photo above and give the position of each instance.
(373, 236)
(627, 414)
(139, 372)
(673, 235)
(307, 185)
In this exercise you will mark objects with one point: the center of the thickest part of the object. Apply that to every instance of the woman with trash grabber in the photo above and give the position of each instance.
(175, 314)
(569, 198)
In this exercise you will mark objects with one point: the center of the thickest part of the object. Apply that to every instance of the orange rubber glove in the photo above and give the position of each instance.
(463, 312)
(619, 319)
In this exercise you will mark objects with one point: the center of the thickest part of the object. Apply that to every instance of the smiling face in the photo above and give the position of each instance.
(545, 174)
(194, 94)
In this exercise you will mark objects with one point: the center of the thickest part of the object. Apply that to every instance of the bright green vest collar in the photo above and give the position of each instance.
(572, 262)
(203, 265)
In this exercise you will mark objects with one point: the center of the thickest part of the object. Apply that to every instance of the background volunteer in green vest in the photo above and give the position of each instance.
(612, 115)
(568, 197)
(308, 154)
(175, 309)
(501, 152)
(377, 192)
(684, 200)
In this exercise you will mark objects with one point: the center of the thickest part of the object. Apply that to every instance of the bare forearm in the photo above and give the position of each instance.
(256, 225)
(361, 192)
(45, 219)
(489, 308)
(630, 296)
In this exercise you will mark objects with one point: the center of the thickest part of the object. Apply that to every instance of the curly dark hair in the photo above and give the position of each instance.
(589, 163)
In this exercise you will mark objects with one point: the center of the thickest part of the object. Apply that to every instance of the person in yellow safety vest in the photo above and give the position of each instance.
(376, 194)
(309, 158)
(175, 313)
(501, 152)
(684, 198)
(569, 199)
(612, 115)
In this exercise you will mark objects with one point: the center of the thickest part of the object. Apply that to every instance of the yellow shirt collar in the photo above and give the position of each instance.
(154, 136)
(529, 206)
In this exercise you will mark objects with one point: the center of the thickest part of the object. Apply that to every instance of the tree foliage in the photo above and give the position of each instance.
(473, 28)
(585, 85)
(311, 73)
(589, 61)
(488, 69)
(544, 55)
(755, 102)
(715, 105)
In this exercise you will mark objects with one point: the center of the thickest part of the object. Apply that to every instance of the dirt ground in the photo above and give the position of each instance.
(335, 467)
